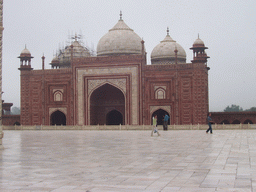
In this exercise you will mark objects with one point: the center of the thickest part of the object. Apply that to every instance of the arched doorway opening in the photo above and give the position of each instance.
(225, 122)
(236, 122)
(107, 102)
(16, 123)
(58, 118)
(114, 117)
(160, 116)
(248, 121)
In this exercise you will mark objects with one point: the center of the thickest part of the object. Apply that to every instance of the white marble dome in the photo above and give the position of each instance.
(25, 53)
(164, 52)
(198, 43)
(78, 51)
(63, 59)
(120, 40)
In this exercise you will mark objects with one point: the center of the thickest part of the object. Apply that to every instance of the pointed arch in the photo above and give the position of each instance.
(236, 122)
(160, 113)
(160, 93)
(114, 117)
(248, 121)
(225, 122)
(118, 83)
(58, 118)
(58, 96)
(104, 99)
(16, 123)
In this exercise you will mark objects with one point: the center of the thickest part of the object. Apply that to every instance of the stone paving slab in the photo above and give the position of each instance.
(125, 161)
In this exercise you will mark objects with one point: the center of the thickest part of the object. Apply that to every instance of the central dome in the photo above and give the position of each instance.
(120, 40)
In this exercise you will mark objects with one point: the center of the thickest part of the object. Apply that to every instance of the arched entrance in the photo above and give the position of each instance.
(248, 121)
(236, 122)
(225, 122)
(114, 117)
(160, 116)
(58, 118)
(106, 103)
(16, 123)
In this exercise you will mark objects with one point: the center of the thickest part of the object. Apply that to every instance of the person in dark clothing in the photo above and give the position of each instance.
(166, 118)
(209, 121)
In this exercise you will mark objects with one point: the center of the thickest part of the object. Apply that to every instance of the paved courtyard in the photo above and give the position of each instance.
(127, 161)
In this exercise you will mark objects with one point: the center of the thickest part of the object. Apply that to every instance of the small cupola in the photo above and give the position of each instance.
(25, 59)
(199, 54)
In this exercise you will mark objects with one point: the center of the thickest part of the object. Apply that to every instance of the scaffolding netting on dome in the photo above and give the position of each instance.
(76, 48)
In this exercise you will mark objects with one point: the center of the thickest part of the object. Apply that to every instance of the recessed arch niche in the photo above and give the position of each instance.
(103, 100)
(58, 118)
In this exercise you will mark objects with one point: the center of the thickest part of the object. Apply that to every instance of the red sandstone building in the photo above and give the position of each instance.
(116, 86)
(7, 117)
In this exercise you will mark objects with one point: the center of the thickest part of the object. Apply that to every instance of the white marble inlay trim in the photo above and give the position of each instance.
(62, 109)
(167, 108)
(132, 71)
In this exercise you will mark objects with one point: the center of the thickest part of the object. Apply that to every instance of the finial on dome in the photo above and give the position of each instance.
(168, 31)
(198, 35)
(121, 16)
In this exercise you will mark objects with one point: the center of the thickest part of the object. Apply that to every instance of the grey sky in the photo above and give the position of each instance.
(227, 27)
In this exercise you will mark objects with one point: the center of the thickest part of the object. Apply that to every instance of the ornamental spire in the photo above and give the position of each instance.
(121, 16)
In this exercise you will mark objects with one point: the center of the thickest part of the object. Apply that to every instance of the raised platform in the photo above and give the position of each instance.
(130, 127)
(128, 161)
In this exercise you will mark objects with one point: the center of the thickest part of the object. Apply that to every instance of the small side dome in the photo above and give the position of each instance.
(120, 40)
(25, 59)
(199, 53)
(198, 43)
(78, 52)
(55, 59)
(63, 59)
(25, 53)
(55, 62)
(168, 51)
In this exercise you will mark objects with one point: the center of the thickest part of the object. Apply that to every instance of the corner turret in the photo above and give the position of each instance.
(199, 54)
(25, 60)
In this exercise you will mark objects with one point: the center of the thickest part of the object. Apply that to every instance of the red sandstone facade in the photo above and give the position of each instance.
(244, 117)
(7, 118)
(186, 92)
(182, 88)
(116, 86)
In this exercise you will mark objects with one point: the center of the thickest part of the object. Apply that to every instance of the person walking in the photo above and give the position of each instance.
(209, 121)
(166, 118)
(154, 127)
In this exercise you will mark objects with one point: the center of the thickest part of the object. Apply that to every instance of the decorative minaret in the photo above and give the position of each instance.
(25, 59)
(25, 69)
(199, 54)
(1, 43)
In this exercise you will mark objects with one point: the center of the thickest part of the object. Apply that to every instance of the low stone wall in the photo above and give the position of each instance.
(130, 127)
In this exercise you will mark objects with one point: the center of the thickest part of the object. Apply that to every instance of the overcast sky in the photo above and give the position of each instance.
(227, 27)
